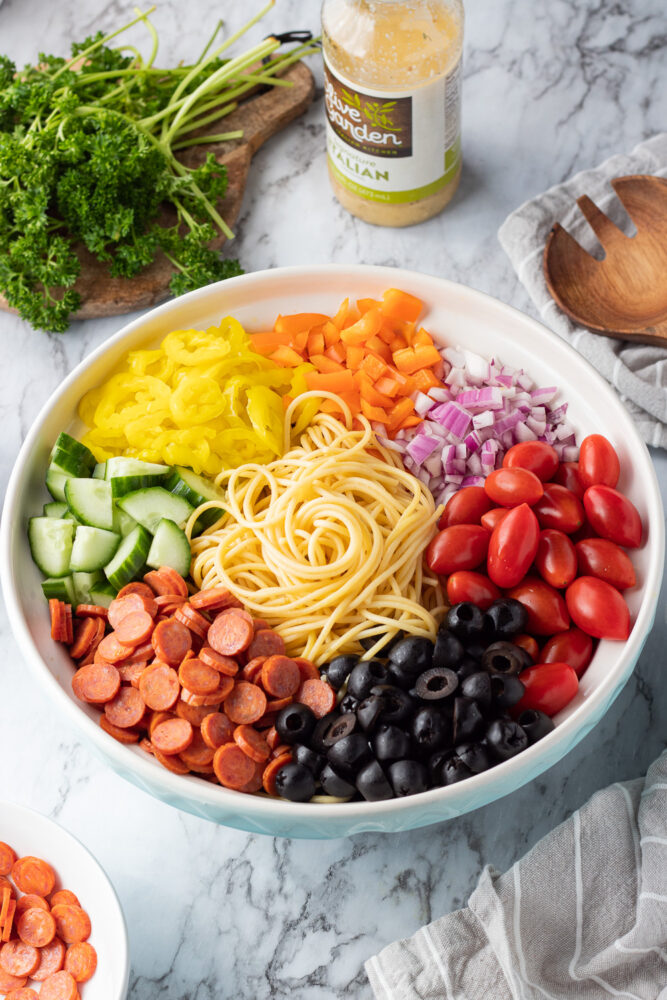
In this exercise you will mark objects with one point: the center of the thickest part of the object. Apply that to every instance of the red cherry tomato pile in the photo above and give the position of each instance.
(552, 535)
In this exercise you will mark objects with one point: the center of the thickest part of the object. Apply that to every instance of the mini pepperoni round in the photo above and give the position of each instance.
(85, 633)
(216, 730)
(60, 986)
(241, 613)
(81, 961)
(9, 983)
(91, 611)
(97, 683)
(30, 900)
(198, 754)
(135, 628)
(266, 642)
(277, 705)
(214, 598)
(245, 704)
(7, 858)
(253, 669)
(33, 875)
(171, 641)
(270, 772)
(195, 714)
(113, 650)
(223, 664)
(18, 958)
(126, 709)
(198, 677)
(64, 896)
(255, 782)
(230, 635)
(51, 960)
(131, 672)
(172, 737)
(142, 654)
(272, 737)
(135, 588)
(120, 608)
(281, 676)
(192, 619)
(252, 743)
(72, 923)
(307, 669)
(171, 762)
(232, 767)
(159, 686)
(24, 993)
(318, 696)
(36, 927)
(126, 736)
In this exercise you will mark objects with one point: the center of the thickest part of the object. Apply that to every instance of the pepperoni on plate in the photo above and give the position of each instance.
(214, 599)
(230, 635)
(19, 959)
(167, 581)
(159, 686)
(172, 736)
(131, 672)
(121, 607)
(216, 730)
(245, 704)
(172, 762)
(112, 650)
(318, 696)
(171, 641)
(232, 767)
(255, 782)
(64, 896)
(198, 755)
(271, 770)
(192, 619)
(126, 709)
(23, 993)
(51, 960)
(60, 986)
(307, 668)
(135, 588)
(281, 676)
(33, 875)
(8, 920)
(198, 677)
(85, 633)
(195, 714)
(223, 664)
(266, 642)
(252, 743)
(253, 669)
(9, 983)
(135, 628)
(72, 923)
(97, 683)
(7, 858)
(29, 901)
(36, 927)
(81, 961)
(241, 612)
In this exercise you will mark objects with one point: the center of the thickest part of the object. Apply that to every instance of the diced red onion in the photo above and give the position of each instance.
(423, 403)
(421, 446)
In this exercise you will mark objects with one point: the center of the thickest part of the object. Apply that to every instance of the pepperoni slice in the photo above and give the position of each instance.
(121, 607)
(307, 669)
(72, 923)
(69, 627)
(19, 959)
(8, 983)
(126, 709)
(223, 664)
(36, 927)
(225, 685)
(131, 672)
(259, 624)
(270, 772)
(64, 896)
(255, 782)
(198, 677)
(7, 858)
(272, 738)
(126, 736)
(232, 767)
(252, 743)
(135, 628)
(91, 611)
(23, 993)
(241, 612)
(145, 744)
(198, 754)
(172, 762)
(135, 588)
(172, 737)
(281, 676)
(266, 642)
(97, 683)
(112, 650)
(60, 986)
(216, 730)
(192, 619)
(171, 641)
(51, 960)
(142, 654)
(29, 901)
(81, 961)
(9, 920)
(214, 599)
(85, 633)
(57, 611)
(277, 705)
(159, 686)
(245, 704)
(195, 714)
(167, 581)
(253, 669)
(281, 750)
(318, 696)
(33, 875)
(230, 635)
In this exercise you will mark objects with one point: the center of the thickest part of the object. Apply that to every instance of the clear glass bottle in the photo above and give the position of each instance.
(392, 95)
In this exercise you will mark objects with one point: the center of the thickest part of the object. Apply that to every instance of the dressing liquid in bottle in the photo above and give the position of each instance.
(392, 72)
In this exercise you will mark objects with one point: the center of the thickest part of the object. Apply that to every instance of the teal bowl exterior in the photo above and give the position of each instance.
(456, 315)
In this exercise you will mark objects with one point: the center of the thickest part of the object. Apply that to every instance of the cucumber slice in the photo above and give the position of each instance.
(66, 443)
(129, 558)
(50, 541)
(55, 482)
(71, 464)
(123, 524)
(93, 548)
(54, 509)
(90, 502)
(85, 583)
(61, 588)
(170, 548)
(103, 594)
(100, 471)
(129, 474)
(196, 490)
(149, 506)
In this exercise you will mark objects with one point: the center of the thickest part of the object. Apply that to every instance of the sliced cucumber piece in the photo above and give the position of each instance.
(103, 594)
(69, 516)
(123, 524)
(55, 482)
(100, 471)
(170, 547)
(66, 443)
(61, 588)
(50, 541)
(90, 502)
(129, 474)
(92, 548)
(130, 557)
(55, 509)
(196, 490)
(85, 583)
(149, 506)
(71, 464)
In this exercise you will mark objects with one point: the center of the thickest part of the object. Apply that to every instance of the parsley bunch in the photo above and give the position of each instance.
(88, 155)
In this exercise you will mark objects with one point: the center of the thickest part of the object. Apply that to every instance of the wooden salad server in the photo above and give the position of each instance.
(624, 295)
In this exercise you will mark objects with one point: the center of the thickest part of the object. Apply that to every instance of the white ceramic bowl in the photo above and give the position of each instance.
(28, 832)
(456, 315)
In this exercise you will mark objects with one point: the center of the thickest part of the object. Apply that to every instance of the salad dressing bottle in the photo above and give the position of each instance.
(392, 93)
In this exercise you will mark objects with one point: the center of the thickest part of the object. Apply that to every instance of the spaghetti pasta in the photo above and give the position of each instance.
(326, 543)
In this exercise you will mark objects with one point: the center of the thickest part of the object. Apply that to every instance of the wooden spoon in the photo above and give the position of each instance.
(624, 295)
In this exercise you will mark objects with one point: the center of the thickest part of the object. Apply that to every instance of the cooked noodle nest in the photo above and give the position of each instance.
(326, 543)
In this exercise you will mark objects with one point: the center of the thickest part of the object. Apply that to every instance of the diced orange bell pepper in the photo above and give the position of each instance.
(286, 357)
(374, 412)
(315, 343)
(401, 305)
(289, 325)
(413, 358)
(325, 364)
(364, 329)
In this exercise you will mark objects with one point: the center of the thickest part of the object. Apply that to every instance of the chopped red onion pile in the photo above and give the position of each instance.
(468, 426)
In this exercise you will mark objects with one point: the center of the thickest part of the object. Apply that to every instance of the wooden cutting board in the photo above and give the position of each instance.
(261, 116)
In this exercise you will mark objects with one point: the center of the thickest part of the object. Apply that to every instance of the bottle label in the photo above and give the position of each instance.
(393, 147)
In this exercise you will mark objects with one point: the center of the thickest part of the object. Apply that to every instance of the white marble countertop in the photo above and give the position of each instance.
(212, 913)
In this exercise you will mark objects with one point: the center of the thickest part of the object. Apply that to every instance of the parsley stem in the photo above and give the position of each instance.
(82, 56)
(199, 140)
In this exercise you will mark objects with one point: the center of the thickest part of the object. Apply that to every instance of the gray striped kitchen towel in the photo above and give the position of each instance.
(583, 915)
(639, 374)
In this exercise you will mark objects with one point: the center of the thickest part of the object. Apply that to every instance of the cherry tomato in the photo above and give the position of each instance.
(556, 559)
(613, 516)
(463, 546)
(536, 456)
(493, 517)
(513, 546)
(573, 647)
(528, 643)
(511, 487)
(598, 462)
(465, 507)
(598, 608)
(549, 688)
(474, 587)
(559, 508)
(568, 476)
(547, 612)
(604, 559)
